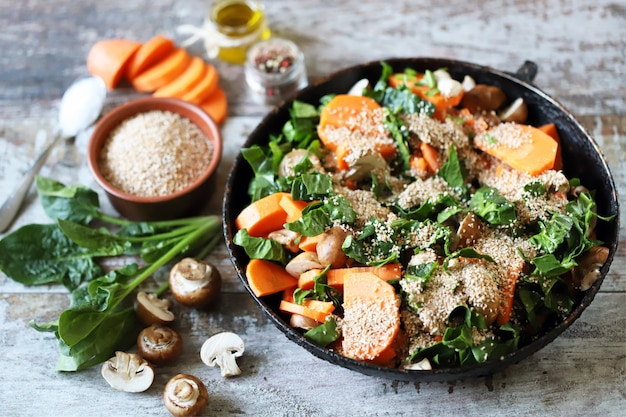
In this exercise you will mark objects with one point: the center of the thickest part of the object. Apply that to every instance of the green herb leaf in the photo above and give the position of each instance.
(324, 334)
(316, 217)
(76, 203)
(41, 254)
(489, 205)
(564, 237)
(260, 248)
(400, 135)
(421, 272)
(535, 189)
(451, 171)
(378, 243)
(313, 186)
(118, 331)
(457, 347)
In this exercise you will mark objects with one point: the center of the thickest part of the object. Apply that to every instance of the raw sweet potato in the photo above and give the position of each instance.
(314, 309)
(179, 86)
(109, 58)
(216, 105)
(163, 72)
(335, 277)
(263, 216)
(266, 277)
(149, 54)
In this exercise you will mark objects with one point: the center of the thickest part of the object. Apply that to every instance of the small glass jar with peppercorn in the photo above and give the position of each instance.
(275, 70)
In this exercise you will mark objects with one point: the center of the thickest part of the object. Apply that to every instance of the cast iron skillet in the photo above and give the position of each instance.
(581, 155)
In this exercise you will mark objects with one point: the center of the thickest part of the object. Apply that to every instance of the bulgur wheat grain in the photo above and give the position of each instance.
(155, 153)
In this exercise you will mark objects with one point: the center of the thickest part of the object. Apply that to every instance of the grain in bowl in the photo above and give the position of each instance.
(154, 153)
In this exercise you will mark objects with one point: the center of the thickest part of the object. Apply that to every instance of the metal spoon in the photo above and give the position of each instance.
(80, 106)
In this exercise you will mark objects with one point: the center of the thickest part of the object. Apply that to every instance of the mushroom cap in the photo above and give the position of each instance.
(159, 344)
(153, 310)
(221, 350)
(195, 283)
(128, 372)
(185, 395)
(303, 262)
(483, 97)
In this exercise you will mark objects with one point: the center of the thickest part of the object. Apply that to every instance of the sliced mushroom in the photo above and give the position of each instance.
(293, 158)
(423, 365)
(222, 350)
(468, 83)
(287, 238)
(128, 372)
(358, 87)
(195, 283)
(153, 310)
(449, 87)
(516, 112)
(185, 395)
(365, 165)
(469, 230)
(303, 262)
(588, 270)
(159, 344)
(441, 74)
(483, 97)
(329, 251)
(302, 322)
(578, 190)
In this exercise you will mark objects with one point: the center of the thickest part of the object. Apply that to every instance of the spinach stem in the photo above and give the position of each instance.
(179, 231)
(211, 224)
(164, 287)
(161, 223)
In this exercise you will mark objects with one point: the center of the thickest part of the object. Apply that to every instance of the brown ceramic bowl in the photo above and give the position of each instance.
(178, 204)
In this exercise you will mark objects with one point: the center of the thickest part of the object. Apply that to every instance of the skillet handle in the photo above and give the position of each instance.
(527, 72)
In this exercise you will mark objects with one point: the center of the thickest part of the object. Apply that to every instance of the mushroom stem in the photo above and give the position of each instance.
(221, 350)
(228, 365)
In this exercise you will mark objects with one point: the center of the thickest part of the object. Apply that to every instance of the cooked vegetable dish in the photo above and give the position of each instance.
(418, 222)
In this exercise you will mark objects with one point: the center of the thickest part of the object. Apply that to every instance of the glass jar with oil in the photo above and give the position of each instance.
(237, 24)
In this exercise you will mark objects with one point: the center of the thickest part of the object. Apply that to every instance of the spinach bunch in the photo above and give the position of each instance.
(100, 318)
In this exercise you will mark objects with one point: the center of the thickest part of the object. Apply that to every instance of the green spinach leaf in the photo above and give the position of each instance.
(260, 248)
(77, 203)
(489, 205)
(38, 254)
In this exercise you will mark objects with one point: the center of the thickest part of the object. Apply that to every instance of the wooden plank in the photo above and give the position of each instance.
(581, 372)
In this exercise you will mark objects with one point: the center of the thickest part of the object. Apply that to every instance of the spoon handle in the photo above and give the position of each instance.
(13, 203)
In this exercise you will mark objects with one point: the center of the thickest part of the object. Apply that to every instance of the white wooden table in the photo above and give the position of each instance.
(579, 46)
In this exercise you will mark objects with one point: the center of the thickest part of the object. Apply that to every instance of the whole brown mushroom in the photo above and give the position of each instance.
(159, 344)
(516, 112)
(195, 283)
(185, 395)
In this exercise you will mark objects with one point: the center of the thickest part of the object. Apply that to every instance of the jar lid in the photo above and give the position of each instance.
(275, 69)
